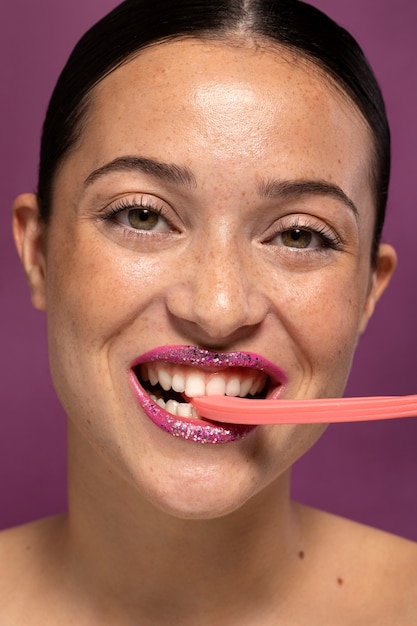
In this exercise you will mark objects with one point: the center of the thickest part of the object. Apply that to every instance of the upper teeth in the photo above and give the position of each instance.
(233, 382)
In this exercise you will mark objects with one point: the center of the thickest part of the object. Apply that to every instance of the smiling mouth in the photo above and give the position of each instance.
(166, 378)
(171, 385)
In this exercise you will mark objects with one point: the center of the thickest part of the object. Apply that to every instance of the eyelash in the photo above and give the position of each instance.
(328, 237)
(126, 205)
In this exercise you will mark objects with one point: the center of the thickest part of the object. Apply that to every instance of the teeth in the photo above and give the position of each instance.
(153, 378)
(216, 386)
(178, 383)
(184, 410)
(171, 406)
(193, 384)
(245, 386)
(164, 379)
(178, 409)
(233, 387)
(256, 387)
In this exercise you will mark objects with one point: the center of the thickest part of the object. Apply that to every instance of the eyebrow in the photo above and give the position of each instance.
(169, 172)
(288, 188)
(182, 175)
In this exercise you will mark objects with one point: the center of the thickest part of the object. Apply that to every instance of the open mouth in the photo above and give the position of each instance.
(166, 378)
(170, 386)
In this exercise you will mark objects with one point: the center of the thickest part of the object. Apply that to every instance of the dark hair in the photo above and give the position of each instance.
(135, 24)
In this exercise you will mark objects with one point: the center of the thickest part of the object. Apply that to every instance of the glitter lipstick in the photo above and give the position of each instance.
(208, 362)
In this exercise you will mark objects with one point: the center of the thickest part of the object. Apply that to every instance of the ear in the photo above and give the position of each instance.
(28, 235)
(385, 265)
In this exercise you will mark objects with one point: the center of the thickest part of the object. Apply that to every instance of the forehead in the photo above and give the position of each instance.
(227, 103)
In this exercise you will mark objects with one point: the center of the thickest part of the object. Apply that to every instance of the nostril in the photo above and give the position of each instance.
(210, 311)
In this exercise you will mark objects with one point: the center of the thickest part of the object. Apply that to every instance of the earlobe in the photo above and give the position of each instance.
(28, 235)
(386, 263)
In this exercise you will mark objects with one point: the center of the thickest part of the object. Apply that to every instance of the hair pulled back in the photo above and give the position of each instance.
(135, 24)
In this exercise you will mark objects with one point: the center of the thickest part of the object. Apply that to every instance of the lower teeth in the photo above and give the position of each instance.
(177, 409)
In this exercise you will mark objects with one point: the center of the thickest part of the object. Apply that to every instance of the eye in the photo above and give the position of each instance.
(143, 219)
(139, 215)
(302, 234)
(297, 238)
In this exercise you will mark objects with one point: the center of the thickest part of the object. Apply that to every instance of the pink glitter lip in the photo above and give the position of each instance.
(200, 431)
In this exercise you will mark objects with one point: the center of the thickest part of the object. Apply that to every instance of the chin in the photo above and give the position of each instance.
(205, 495)
(198, 509)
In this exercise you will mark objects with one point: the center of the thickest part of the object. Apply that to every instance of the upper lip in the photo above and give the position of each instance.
(211, 361)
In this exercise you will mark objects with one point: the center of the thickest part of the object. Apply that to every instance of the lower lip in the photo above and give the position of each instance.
(190, 430)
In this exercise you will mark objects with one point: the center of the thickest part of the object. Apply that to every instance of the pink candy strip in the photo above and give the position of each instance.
(315, 411)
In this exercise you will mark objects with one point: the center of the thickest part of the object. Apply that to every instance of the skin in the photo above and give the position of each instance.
(151, 516)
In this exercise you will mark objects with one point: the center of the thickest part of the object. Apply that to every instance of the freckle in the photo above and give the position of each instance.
(340, 581)
(301, 555)
(28, 547)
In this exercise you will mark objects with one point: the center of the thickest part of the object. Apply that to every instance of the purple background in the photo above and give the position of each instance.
(367, 471)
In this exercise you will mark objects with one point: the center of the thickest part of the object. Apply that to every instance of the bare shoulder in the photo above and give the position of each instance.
(23, 560)
(373, 572)
(17, 544)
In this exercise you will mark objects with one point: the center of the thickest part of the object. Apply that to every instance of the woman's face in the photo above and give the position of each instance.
(219, 198)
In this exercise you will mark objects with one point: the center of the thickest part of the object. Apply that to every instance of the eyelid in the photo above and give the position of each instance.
(314, 225)
(131, 202)
(136, 200)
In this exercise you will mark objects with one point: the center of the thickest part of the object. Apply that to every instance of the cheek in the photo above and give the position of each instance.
(322, 318)
(93, 293)
(97, 301)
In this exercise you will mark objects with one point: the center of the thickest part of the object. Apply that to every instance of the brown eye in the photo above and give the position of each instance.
(142, 219)
(297, 238)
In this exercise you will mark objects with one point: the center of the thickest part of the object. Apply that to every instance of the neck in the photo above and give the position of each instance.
(120, 541)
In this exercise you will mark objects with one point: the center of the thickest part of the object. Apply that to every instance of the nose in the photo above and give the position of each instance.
(219, 297)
